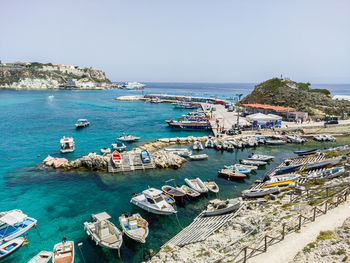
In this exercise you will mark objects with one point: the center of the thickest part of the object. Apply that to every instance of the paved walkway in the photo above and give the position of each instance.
(286, 250)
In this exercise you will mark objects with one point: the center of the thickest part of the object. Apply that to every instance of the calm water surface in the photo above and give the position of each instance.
(31, 124)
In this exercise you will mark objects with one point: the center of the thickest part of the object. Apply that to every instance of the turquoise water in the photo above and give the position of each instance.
(61, 201)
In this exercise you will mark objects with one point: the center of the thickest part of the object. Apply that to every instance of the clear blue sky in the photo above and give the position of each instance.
(184, 40)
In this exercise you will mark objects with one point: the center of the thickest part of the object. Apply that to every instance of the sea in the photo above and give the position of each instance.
(31, 125)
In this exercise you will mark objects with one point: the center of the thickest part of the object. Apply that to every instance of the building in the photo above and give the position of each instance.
(70, 84)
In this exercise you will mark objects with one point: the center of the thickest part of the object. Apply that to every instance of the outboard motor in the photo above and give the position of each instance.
(266, 178)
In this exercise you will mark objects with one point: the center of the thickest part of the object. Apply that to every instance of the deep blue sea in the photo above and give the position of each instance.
(31, 124)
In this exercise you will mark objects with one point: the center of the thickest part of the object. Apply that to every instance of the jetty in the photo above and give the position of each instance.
(131, 161)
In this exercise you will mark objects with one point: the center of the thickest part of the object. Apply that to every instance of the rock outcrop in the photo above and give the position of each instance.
(163, 159)
(288, 93)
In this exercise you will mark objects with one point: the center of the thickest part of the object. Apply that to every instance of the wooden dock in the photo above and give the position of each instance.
(130, 162)
(201, 228)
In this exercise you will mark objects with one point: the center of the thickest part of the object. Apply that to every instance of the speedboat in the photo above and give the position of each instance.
(231, 174)
(191, 193)
(260, 192)
(179, 151)
(67, 144)
(212, 186)
(197, 146)
(128, 138)
(241, 170)
(11, 246)
(252, 162)
(103, 231)
(197, 184)
(172, 191)
(119, 146)
(198, 157)
(134, 226)
(14, 223)
(260, 157)
(145, 156)
(116, 158)
(133, 85)
(105, 150)
(63, 252)
(152, 201)
(42, 257)
(220, 207)
(81, 123)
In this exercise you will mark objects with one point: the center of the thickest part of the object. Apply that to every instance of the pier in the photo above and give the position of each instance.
(131, 161)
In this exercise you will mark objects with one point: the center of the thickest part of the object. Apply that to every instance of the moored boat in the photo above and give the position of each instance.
(283, 183)
(198, 157)
(275, 142)
(172, 191)
(212, 186)
(179, 151)
(197, 184)
(288, 169)
(260, 157)
(11, 246)
(209, 143)
(105, 150)
(63, 252)
(220, 207)
(116, 158)
(145, 156)
(119, 146)
(253, 162)
(81, 123)
(306, 152)
(260, 192)
(128, 138)
(42, 257)
(67, 144)
(134, 226)
(197, 145)
(329, 173)
(191, 193)
(231, 174)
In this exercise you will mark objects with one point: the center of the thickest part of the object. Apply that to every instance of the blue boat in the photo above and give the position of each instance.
(13, 224)
(11, 246)
(288, 169)
(307, 152)
(145, 157)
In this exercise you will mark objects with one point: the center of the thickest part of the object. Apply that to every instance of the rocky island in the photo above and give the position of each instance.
(34, 75)
(298, 95)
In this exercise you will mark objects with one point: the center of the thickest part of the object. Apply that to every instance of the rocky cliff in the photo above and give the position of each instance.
(288, 93)
(42, 76)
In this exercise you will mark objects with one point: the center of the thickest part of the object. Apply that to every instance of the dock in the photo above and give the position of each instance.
(201, 228)
(130, 162)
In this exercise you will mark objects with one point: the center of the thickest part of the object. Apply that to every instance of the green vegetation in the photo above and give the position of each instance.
(338, 252)
(345, 259)
(325, 235)
(71, 76)
(272, 84)
(323, 91)
(315, 182)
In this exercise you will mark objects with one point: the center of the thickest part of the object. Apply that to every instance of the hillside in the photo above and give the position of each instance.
(287, 93)
(21, 75)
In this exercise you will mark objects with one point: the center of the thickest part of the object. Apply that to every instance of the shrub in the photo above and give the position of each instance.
(325, 235)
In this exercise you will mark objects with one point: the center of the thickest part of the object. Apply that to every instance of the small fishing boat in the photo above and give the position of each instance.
(275, 142)
(41, 257)
(152, 201)
(329, 173)
(191, 193)
(172, 191)
(128, 138)
(134, 226)
(260, 192)
(241, 170)
(288, 169)
(105, 150)
(230, 147)
(212, 186)
(307, 152)
(11, 246)
(81, 123)
(252, 162)
(197, 184)
(209, 143)
(260, 157)
(179, 151)
(67, 144)
(13, 224)
(231, 174)
(284, 183)
(250, 167)
(63, 252)
(119, 146)
(116, 158)
(330, 138)
(103, 231)
(197, 145)
(220, 207)
(145, 156)
(282, 178)
(322, 164)
(198, 157)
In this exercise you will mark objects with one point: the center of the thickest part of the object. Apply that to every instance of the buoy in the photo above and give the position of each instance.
(38, 155)
(9, 158)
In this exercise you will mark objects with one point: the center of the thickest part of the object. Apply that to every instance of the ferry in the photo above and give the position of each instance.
(133, 85)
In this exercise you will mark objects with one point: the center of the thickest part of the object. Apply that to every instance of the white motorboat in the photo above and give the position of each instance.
(260, 192)
(328, 173)
(63, 252)
(250, 167)
(179, 151)
(67, 144)
(219, 207)
(330, 138)
(11, 246)
(42, 257)
(105, 150)
(209, 143)
(134, 226)
(197, 184)
(134, 85)
(81, 123)
(212, 186)
(252, 162)
(275, 142)
(13, 224)
(152, 201)
(198, 157)
(128, 138)
(197, 145)
(119, 146)
(103, 231)
(282, 178)
(260, 157)
(296, 139)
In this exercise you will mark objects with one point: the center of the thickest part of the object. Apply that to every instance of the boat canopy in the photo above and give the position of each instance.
(82, 120)
(102, 216)
(152, 192)
(13, 217)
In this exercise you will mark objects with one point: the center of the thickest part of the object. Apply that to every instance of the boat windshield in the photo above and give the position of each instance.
(158, 199)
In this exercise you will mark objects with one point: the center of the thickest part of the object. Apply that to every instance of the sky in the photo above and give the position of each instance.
(183, 40)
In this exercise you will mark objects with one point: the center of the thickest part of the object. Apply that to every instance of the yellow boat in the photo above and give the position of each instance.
(279, 184)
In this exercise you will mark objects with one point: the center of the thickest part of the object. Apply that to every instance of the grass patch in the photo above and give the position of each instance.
(338, 252)
(325, 235)
(314, 182)
(288, 205)
(345, 259)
